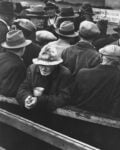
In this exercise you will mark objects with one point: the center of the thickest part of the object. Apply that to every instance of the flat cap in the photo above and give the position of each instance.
(110, 51)
(44, 35)
(88, 29)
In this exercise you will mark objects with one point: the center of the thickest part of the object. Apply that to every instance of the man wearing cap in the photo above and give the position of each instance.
(45, 86)
(98, 89)
(43, 37)
(67, 36)
(83, 54)
(12, 68)
(29, 30)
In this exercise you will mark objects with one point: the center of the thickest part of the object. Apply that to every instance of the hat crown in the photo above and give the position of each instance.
(26, 24)
(36, 9)
(67, 12)
(48, 53)
(88, 28)
(45, 35)
(111, 50)
(67, 26)
(15, 37)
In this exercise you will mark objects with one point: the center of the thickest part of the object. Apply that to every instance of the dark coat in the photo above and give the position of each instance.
(81, 55)
(55, 95)
(12, 73)
(31, 52)
(97, 89)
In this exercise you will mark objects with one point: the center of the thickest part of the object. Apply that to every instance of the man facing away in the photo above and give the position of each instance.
(83, 54)
(12, 68)
(98, 89)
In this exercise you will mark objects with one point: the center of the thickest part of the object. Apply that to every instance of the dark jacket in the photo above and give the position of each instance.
(31, 52)
(12, 73)
(81, 55)
(97, 89)
(55, 93)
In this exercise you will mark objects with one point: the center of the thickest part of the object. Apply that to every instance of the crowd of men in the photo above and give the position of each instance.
(71, 62)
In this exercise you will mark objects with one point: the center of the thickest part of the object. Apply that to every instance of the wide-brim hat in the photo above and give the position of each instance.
(48, 56)
(26, 43)
(47, 63)
(15, 39)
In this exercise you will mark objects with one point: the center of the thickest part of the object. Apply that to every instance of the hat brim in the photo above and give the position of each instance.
(26, 43)
(75, 15)
(47, 63)
(67, 35)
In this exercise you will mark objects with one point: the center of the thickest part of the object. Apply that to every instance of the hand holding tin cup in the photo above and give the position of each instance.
(38, 91)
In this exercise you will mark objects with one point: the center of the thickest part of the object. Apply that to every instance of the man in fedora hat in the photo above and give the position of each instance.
(12, 68)
(66, 14)
(98, 89)
(83, 54)
(29, 31)
(66, 36)
(46, 82)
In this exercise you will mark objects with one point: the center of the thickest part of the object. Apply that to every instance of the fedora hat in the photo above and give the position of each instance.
(67, 29)
(15, 39)
(37, 9)
(48, 57)
(88, 29)
(67, 12)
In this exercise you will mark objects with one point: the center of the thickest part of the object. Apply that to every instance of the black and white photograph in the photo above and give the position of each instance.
(59, 74)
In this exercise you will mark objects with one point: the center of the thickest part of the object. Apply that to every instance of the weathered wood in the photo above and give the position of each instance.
(72, 112)
(78, 114)
(45, 134)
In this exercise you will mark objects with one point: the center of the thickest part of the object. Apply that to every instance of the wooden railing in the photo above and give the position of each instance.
(78, 114)
(43, 133)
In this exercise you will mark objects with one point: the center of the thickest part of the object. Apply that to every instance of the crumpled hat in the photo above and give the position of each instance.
(88, 29)
(111, 51)
(48, 57)
(44, 35)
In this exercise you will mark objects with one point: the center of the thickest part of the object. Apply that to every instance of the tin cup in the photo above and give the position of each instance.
(38, 91)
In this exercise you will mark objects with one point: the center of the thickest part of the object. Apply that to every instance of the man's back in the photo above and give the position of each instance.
(98, 89)
(81, 55)
(12, 73)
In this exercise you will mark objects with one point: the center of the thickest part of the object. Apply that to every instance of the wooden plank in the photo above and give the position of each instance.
(78, 114)
(74, 113)
(45, 134)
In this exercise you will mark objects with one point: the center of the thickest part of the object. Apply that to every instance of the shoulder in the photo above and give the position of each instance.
(64, 70)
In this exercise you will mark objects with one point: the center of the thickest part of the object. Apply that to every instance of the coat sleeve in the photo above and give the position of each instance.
(25, 88)
(59, 99)
(15, 77)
